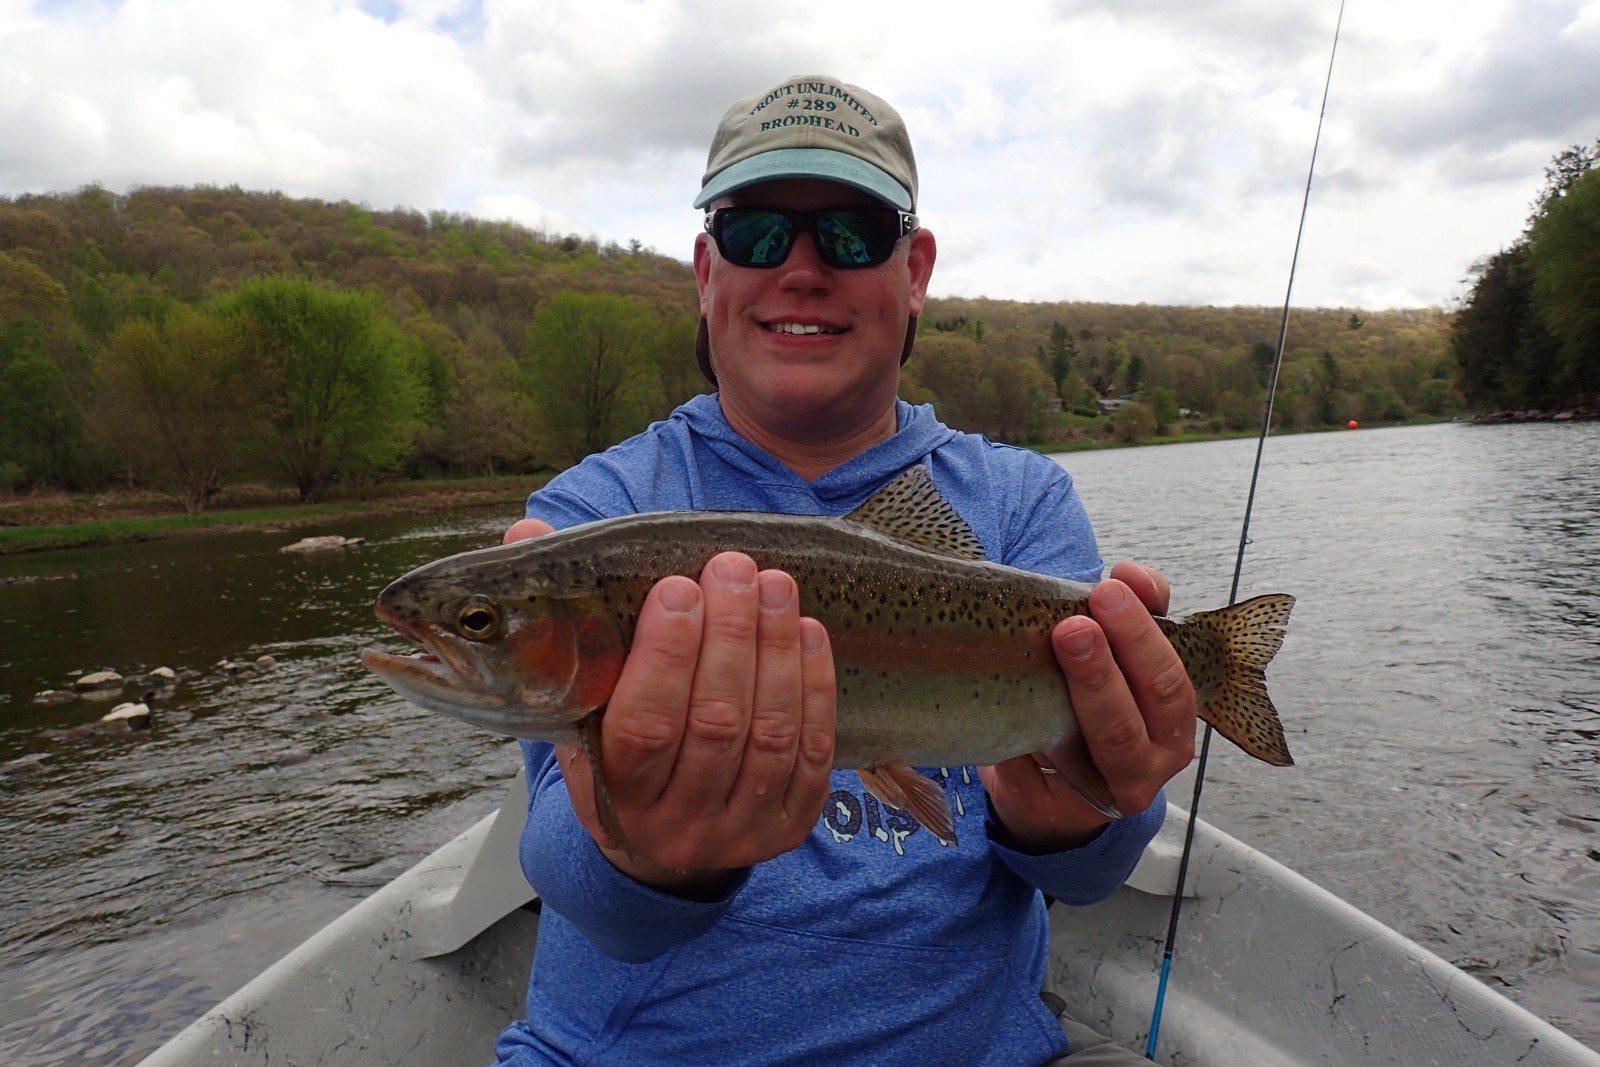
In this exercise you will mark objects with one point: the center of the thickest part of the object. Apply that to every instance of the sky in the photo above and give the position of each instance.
(1124, 151)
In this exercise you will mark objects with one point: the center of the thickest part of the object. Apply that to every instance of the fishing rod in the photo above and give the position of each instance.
(1238, 563)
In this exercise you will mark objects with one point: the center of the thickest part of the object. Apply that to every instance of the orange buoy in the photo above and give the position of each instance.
(1354, 424)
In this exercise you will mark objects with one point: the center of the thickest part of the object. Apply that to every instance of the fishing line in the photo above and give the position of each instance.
(1238, 564)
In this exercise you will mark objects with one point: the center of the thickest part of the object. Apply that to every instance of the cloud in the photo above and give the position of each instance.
(195, 92)
(1149, 150)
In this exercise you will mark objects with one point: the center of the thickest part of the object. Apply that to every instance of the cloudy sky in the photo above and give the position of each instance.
(1116, 150)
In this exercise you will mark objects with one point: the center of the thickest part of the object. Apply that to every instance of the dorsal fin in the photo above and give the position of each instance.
(912, 509)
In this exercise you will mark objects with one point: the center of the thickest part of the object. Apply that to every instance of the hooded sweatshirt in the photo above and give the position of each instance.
(871, 943)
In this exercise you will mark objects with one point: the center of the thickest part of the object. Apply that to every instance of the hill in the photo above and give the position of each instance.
(116, 311)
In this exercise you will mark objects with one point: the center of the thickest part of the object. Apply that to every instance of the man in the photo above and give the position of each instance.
(770, 910)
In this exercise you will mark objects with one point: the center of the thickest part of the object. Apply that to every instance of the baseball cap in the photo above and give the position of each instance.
(813, 126)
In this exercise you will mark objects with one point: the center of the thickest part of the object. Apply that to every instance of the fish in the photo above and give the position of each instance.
(942, 657)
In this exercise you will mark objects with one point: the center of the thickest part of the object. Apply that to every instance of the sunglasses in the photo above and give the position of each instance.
(846, 237)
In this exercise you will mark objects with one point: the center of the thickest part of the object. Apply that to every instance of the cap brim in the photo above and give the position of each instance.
(806, 163)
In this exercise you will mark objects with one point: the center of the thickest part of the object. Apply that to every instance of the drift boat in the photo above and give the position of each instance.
(1273, 970)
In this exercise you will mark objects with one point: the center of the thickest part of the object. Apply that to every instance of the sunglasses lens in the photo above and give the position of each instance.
(755, 238)
(855, 238)
(845, 237)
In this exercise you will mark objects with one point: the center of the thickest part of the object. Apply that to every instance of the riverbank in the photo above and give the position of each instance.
(63, 520)
(60, 520)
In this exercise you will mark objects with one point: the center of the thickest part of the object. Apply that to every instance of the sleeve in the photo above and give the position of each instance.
(624, 919)
(1049, 531)
(1093, 871)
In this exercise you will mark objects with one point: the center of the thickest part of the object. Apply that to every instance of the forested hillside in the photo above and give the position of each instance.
(1528, 335)
(198, 337)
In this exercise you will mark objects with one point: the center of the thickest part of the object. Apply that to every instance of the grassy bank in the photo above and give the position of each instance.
(33, 524)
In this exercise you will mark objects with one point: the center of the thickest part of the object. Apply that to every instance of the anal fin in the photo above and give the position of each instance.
(901, 787)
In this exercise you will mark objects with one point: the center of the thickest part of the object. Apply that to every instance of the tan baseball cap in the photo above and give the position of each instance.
(813, 126)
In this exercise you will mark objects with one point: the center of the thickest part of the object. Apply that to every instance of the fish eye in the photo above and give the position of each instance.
(478, 618)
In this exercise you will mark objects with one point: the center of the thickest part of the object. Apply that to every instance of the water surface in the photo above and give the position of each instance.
(1439, 686)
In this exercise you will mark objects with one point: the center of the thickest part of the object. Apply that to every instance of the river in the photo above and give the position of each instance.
(1440, 685)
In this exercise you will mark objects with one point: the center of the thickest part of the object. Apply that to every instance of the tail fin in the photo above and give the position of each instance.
(1232, 686)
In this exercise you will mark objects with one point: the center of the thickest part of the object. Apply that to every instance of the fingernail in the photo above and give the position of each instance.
(1078, 644)
(811, 639)
(1113, 595)
(734, 570)
(680, 598)
(777, 592)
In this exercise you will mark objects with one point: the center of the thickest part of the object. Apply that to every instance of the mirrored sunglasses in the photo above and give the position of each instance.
(845, 237)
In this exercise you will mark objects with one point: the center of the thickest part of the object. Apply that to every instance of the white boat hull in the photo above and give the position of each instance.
(1271, 970)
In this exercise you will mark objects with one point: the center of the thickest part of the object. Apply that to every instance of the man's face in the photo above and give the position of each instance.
(809, 385)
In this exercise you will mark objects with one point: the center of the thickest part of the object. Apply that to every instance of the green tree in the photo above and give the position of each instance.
(338, 392)
(674, 357)
(1565, 168)
(39, 424)
(1131, 422)
(1564, 252)
(1502, 345)
(178, 391)
(488, 419)
(1262, 357)
(1164, 408)
(591, 373)
(1329, 383)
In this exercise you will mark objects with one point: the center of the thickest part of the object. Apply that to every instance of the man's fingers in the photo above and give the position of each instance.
(523, 529)
(724, 683)
(1147, 583)
(811, 782)
(1106, 711)
(1151, 669)
(773, 736)
(644, 720)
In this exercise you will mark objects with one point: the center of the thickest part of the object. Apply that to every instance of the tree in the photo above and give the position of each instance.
(1564, 252)
(590, 372)
(1528, 333)
(1330, 381)
(177, 389)
(1131, 422)
(1262, 357)
(338, 395)
(1164, 406)
(1501, 342)
(674, 358)
(39, 424)
(1565, 168)
(488, 418)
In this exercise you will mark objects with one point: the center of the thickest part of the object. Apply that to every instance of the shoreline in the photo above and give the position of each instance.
(31, 525)
(147, 517)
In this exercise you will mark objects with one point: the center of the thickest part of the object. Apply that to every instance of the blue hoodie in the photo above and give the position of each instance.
(871, 943)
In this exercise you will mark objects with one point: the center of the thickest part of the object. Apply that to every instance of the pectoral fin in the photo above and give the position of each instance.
(901, 787)
(589, 734)
(1073, 763)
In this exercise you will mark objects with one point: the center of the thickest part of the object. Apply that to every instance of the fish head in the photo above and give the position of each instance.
(508, 644)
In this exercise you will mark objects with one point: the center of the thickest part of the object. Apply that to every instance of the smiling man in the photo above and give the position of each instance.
(771, 910)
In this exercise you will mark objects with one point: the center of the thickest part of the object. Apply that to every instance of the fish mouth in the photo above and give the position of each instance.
(439, 676)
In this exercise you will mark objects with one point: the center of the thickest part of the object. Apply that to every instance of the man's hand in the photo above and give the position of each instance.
(1134, 704)
(718, 741)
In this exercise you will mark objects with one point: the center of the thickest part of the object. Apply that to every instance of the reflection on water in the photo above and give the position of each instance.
(1439, 686)
(1440, 682)
(149, 875)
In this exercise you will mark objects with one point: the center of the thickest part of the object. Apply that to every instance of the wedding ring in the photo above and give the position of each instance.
(1048, 770)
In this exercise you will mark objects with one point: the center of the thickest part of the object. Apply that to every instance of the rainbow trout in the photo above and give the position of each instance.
(943, 659)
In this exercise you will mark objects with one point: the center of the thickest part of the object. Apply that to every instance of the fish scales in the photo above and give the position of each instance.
(943, 658)
(921, 641)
